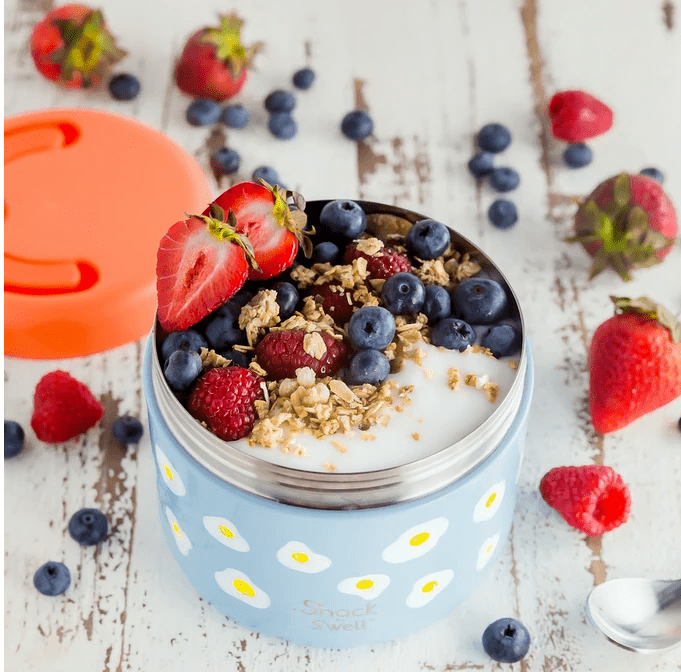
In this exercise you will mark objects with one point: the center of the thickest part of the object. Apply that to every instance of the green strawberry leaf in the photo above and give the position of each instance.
(644, 305)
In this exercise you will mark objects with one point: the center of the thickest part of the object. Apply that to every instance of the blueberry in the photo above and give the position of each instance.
(494, 138)
(241, 298)
(367, 366)
(502, 339)
(428, 239)
(202, 112)
(88, 527)
(502, 213)
(403, 294)
(287, 298)
(52, 578)
(325, 252)
(182, 369)
(222, 328)
(282, 125)
(371, 327)
(504, 179)
(127, 429)
(479, 301)
(280, 101)
(303, 79)
(437, 305)
(577, 155)
(655, 173)
(14, 438)
(182, 340)
(452, 334)
(237, 357)
(124, 86)
(506, 640)
(481, 164)
(235, 116)
(266, 173)
(345, 218)
(225, 161)
(357, 125)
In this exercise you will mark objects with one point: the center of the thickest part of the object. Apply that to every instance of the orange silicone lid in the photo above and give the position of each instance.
(88, 196)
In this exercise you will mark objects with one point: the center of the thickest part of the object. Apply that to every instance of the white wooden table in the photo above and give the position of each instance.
(430, 74)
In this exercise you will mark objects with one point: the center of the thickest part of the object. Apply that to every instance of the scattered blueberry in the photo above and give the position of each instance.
(325, 252)
(182, 340)
(494, 138)
(88, 527)
(679, 424)
(577, 155)
(266, 173)
(428, 239)
(127, 429)
(479, 301)
(287, 298)
(237, 357)
(367, 366)
(124, 86)
(504, 179)
(52, 578)
(357, 125)
(203, 112)
(182, 369)
(345, 218)
(503, 213)
(481, 164)
(303, 79)
(222, 328)
(655, 173)
(280, 101)
(371, 327)
(403, 294)
(282, 125)
(14, 438)
(235, 116)
(437, 305)
(506, 640)
(502, 339)
(452, 334)
(225, 161)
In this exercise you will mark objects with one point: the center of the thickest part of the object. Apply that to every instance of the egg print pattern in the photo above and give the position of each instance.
(486, 551)
(428, 587)
(296, 555)
(416, 541)
(226, 533)
(368, 587)
(181, 539)
(169, 474)
(237, 584)
(489, 503)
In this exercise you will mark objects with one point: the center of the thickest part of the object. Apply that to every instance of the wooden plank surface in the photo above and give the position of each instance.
(430, 74)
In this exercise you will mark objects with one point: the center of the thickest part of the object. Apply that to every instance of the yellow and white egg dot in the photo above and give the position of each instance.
(487, 551)
(238, 585)
(296, 555)
(416, 541)
(489, 503)
(169, 474)
(368, 587)
(181, 539)
(428, 587)
(225, 532)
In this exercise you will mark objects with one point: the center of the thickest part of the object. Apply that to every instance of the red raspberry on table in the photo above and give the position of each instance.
(63, 408)
(591, 498)
(336, 301)
(577, 116)
(386, 262)
(280, 353)
(224, 398)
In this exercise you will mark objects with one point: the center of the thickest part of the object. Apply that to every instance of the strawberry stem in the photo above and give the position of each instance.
(644, 305)
(227, 42)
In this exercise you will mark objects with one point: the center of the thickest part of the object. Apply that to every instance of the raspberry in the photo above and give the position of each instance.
(336, 301)
(280, 353)
(386, 262)
(224, 398)
(592, 498)
(63, 408)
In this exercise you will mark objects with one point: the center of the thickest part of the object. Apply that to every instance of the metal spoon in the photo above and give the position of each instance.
(641, 615)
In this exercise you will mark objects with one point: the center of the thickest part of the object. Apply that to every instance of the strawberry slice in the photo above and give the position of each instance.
(275, 231)
(201, 263)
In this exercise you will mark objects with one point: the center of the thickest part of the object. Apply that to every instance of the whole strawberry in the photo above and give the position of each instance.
(591, 498)
(280, 353)
(214, 64)
(73, 47)
(634, 363)
(224, 398)
(627, 222)
(63, 408)
(577, 116)
(381, 265)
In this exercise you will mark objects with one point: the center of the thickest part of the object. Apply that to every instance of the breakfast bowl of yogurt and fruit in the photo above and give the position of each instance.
(338, 393)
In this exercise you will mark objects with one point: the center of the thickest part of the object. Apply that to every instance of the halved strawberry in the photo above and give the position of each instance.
(201, 263)
(274, 230)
